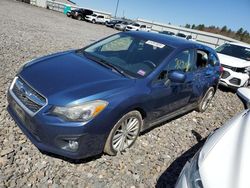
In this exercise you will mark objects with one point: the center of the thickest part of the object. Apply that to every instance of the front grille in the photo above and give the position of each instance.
(225, 74)
(28, 96)
(235, 81)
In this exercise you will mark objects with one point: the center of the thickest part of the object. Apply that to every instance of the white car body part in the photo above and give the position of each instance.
(137, 27)
(97, 18)
(223, 161)
(236, 70)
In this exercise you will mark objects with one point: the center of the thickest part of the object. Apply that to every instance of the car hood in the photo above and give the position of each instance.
(224, 159)
(233, 61)
(65, 77)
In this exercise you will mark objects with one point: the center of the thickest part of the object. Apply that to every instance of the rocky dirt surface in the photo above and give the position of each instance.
(27, 32)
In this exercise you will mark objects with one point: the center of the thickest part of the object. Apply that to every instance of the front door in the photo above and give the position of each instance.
(167, 96)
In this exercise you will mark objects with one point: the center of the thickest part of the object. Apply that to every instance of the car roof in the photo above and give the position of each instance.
(240, 44)
(175, 42)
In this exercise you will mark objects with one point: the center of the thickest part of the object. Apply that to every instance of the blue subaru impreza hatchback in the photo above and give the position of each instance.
(99, 98)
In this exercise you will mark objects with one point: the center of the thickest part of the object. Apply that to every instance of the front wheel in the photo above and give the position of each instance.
(124, 133)
(93, 21)
(207, 98)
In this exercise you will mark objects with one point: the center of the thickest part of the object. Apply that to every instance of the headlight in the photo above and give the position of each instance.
(193, 175)
(247, 70)
(83, 112)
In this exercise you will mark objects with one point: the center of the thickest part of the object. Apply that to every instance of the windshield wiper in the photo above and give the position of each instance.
(105, 63)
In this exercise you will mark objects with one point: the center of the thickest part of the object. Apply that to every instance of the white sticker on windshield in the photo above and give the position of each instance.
(156, 44)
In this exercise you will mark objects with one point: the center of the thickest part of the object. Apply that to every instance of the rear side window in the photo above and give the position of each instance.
(202, 59)
(213, 60)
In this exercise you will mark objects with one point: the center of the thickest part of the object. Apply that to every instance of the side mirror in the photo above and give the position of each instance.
(177, 76)
(244, 95)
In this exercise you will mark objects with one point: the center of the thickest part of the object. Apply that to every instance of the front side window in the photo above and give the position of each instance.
(135, 56)
(234, 51)
(184, 61)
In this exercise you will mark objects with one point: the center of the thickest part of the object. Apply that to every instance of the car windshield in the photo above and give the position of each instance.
(136, 24)
(234, 51)
(181, 35)
(130, 55)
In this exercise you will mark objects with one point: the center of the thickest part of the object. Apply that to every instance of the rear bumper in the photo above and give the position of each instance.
(49, 135)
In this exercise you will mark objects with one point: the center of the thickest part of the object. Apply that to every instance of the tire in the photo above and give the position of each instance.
(124, 133)
(79, 18)
(203, 105)
(93, 21)
(246, 83)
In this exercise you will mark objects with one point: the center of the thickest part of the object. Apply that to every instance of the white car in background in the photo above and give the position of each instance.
(224, 160)
(182, 35)
(137, 27)
(97, 18)
(235, 59)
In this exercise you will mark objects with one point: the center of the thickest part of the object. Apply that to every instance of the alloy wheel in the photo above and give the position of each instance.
(126, 134)
(207, 99)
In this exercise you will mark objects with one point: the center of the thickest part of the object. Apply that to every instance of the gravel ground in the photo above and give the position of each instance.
(156, 158)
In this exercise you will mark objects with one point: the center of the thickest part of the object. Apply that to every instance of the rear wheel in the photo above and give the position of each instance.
(207, 98)
(124, 133)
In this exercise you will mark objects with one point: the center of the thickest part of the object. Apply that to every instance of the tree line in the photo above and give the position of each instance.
(240, 34)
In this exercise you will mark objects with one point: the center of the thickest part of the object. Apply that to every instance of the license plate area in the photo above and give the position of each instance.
(19, 111)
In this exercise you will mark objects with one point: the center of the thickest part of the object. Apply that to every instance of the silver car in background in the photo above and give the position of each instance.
(224, 160)
(122, 26)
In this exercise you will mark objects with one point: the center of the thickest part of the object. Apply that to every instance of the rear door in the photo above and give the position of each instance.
(204, 74)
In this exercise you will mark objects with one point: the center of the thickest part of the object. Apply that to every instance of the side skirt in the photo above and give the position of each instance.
(169, 116)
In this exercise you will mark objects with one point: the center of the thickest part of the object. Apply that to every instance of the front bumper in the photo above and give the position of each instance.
(233, 79)
(48, 133)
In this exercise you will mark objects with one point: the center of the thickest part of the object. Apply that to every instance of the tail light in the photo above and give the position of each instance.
(221, 69)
